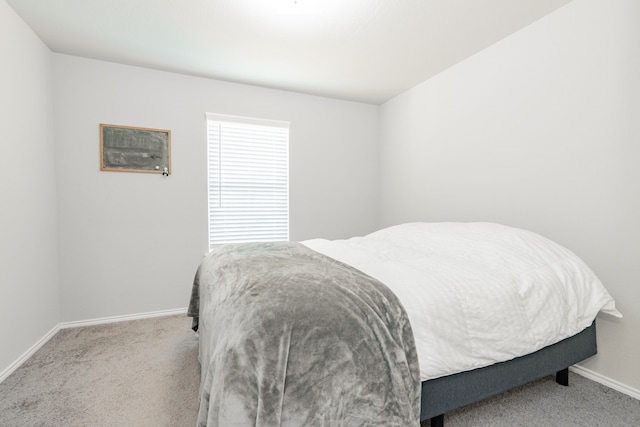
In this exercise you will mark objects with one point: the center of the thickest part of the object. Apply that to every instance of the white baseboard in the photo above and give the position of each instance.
(64, 325)
(594, 376)
(114, 319)
(27, 354)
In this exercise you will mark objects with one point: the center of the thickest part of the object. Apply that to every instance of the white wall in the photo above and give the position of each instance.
(28, 230)
(540, 131)
(130, 242)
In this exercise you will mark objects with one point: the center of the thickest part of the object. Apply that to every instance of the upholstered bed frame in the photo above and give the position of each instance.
(447, 393)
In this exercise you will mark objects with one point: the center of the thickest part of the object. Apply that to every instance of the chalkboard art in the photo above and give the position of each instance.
(134, 149)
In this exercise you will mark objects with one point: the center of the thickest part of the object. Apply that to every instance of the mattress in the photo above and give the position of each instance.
(479, 293)
(291, 337)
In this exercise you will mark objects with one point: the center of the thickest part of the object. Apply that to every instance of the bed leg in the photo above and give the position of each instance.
(437, 421)
(562, 377)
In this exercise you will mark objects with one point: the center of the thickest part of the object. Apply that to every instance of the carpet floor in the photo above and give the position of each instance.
(145, 373)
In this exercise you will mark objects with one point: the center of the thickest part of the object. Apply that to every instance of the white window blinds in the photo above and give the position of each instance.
(248, 179)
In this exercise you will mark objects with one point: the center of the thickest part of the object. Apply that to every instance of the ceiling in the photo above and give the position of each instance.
(360, 50)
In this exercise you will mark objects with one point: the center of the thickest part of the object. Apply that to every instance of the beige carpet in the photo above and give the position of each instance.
(134, 373)
(146, 373)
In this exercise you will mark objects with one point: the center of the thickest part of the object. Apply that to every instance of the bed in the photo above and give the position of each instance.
(393, 328)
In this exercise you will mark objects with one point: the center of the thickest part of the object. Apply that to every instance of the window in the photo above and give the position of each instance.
(248, 179)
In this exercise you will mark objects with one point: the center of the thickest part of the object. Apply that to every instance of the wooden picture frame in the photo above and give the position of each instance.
(135, 149)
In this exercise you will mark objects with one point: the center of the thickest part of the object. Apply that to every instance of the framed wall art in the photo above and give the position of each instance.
(135, 149)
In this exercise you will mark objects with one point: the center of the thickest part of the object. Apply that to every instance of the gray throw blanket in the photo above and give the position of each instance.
(290, 337)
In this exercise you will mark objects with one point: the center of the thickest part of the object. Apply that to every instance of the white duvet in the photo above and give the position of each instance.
(477, 293)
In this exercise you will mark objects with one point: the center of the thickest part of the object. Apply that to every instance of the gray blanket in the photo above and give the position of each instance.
(290, 337)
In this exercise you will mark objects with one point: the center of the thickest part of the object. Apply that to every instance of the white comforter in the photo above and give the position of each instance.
(477, 293)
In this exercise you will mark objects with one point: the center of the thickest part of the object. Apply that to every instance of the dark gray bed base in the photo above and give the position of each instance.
(445, 394)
